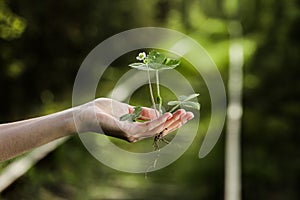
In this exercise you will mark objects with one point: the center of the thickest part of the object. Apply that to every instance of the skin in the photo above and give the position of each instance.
(101, 116)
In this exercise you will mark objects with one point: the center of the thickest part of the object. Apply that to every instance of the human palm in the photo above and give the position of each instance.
(102, 116)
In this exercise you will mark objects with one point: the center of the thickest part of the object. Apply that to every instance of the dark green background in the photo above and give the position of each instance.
(43, 43)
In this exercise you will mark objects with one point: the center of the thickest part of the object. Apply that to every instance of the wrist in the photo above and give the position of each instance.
(67, 121)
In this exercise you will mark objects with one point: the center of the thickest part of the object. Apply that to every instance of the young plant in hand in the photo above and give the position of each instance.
(156, 61)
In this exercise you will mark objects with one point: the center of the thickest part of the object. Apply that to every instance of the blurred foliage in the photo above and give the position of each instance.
(43, 43)
(11, 25)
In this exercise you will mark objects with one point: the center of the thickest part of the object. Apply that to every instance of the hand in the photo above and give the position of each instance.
(105, 113)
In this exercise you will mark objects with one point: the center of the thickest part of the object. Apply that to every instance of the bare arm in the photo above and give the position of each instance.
(19, 137)
(101, 115)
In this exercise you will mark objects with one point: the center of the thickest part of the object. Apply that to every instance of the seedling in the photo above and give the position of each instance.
(135, 116)
(156, 61)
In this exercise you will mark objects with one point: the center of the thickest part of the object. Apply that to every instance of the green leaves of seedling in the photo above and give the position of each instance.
(184, 102)
(133, 117)
(156, 61)
(155, 57)
(187, 98)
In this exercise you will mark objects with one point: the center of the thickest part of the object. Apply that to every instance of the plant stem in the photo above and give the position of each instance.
(151, 91)
(158, 94)
(174, 108)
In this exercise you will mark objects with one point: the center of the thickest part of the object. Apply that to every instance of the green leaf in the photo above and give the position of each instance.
(156, 61)
(134, 116)
(190, 104)
(173, 103)
(192, 96)
(182, 98)
(152, 66)
(137, 110)
(136, 64)
(140, 66)
(125, 117)
(187, 98)
(184, 102)
(172, 62)
(155, 57)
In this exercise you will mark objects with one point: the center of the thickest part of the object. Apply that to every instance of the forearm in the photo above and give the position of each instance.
(19, 137)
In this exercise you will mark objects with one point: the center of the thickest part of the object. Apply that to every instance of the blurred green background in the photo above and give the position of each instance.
(43, 43)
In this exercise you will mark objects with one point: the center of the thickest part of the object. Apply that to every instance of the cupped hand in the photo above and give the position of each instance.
(105, 113)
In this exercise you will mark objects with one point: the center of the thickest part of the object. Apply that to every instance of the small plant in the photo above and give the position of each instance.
(135, 116)
(156, 61)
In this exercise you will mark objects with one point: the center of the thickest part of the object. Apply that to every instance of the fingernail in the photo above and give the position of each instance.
(191, 117)
(170, 117)
(183, 111)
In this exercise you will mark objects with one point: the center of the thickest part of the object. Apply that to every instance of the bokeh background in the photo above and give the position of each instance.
(43, 43)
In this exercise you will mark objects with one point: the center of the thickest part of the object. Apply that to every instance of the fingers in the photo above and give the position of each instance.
(159, 121)
(176, 116)
(149, 113)
(110, 124)
(136, 131)
(180, 118)
(153, 127)
(166, 123)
